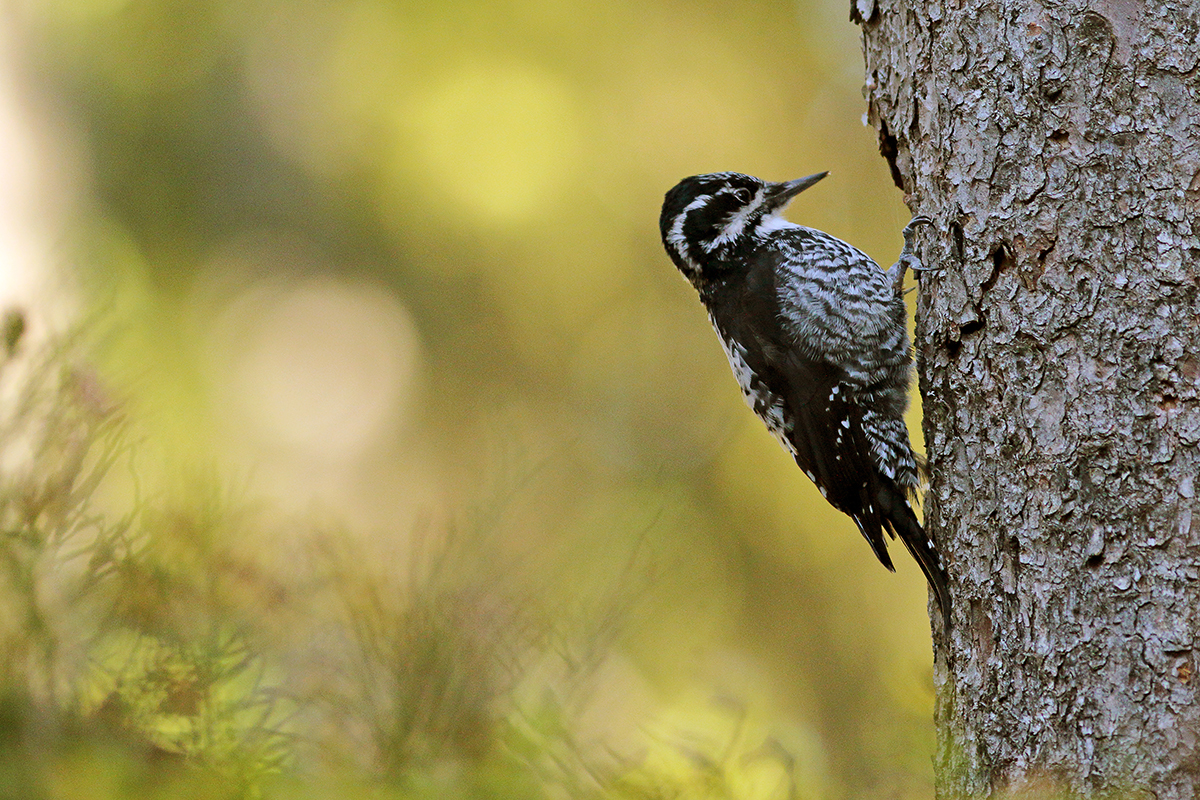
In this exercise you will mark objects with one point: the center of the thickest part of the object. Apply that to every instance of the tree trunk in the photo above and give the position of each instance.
(1057, 148)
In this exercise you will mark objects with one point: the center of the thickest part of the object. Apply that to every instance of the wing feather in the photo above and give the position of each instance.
(805, 402)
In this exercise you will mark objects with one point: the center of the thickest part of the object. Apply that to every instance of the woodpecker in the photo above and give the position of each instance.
(816, 334)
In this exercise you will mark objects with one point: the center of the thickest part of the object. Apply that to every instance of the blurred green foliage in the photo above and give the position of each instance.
(501, 525)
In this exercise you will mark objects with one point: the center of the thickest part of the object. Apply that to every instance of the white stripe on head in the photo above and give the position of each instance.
(675, 236)
(736, 224)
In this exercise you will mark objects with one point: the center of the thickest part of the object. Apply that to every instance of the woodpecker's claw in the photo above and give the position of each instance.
(908, 256)
(914, 223)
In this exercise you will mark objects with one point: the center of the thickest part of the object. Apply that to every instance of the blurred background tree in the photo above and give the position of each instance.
(392, 270)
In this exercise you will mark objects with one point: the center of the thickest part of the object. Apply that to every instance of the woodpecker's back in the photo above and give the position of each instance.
(816, 334)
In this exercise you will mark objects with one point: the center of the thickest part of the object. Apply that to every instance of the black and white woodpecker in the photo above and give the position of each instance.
(817, 337)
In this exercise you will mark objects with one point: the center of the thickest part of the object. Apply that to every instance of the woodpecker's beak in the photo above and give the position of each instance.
(782, 193)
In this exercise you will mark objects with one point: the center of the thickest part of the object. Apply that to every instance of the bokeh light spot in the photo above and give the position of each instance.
(324, 366)
(497, 139)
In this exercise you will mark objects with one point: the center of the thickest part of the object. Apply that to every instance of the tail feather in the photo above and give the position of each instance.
(902, 522)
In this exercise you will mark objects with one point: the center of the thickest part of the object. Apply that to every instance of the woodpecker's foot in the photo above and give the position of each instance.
(908, 255)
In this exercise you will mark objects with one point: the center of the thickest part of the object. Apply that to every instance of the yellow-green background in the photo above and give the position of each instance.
(392, 271)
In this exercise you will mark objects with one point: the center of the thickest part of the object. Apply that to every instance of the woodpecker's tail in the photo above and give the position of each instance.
(900, 521)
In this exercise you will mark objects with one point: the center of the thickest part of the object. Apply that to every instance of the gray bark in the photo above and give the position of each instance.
(1057, 147)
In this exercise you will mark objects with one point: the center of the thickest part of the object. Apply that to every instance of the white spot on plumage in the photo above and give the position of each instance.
(762, 401)
(774, 222)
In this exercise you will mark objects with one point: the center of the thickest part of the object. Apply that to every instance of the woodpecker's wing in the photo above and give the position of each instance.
(829, 445)
(822, 400)
(804, 402)
(828, 442)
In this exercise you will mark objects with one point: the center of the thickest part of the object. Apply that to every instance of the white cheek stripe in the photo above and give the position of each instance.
(737, 223)
(675, 236)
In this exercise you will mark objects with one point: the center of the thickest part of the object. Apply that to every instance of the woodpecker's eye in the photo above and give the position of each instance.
(743, 196)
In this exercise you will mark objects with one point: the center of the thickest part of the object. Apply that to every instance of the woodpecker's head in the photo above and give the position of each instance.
(706, 217)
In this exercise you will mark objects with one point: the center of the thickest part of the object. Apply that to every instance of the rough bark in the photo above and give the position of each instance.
(1057, 147)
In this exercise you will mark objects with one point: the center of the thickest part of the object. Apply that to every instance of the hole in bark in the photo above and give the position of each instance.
(1002, 256)
(1094, 562)
(974, 326)
(1058, 136)
(953, 347)
(1002, 259)
(956, 241)
(888, 149)
(1013, 545)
